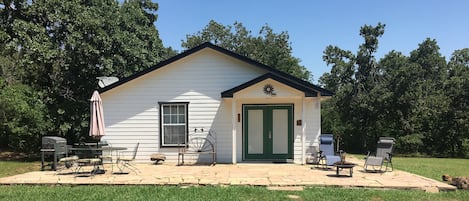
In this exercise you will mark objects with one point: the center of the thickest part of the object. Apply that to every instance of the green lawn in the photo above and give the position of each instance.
(21, 193)
(433, 167)
(8, 168)
(429, 167)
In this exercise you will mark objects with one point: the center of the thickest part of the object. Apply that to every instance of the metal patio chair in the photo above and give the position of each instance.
(107, 157)
(125, 161)
(67, 163)
(383, 155)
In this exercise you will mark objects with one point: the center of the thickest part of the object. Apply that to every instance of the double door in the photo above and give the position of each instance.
(268, 132)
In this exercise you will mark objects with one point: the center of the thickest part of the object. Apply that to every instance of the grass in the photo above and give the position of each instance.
(213, 193)
(9, 168)
(428, 167)
(433, 167)
(12, 163)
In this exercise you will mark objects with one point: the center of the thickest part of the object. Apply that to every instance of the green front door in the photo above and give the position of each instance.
(268, 132)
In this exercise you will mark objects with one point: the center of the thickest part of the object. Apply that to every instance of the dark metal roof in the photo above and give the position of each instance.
(275, 74)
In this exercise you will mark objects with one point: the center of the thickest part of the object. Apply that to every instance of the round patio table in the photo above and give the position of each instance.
(344, 165)
(97, 149)
(96, 169)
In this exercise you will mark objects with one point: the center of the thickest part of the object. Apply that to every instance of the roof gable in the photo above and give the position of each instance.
(308, 92)
(278, 75)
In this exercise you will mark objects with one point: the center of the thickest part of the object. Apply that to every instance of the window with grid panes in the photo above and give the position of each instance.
(173, 124)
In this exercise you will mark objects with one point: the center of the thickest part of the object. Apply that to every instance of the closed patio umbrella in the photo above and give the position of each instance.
(97, 117)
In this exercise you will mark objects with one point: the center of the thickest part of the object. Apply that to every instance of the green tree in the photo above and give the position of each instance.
(23, 117)
(59, 48)
(269, 48)
(457, 94)
(428, 89)
(399, 83)
(356, 81)
(420, 99)
(341, 81)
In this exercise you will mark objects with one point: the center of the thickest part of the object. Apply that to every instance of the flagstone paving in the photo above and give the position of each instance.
(255, 174)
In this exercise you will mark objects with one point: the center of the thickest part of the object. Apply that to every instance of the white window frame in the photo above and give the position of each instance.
(178, 122)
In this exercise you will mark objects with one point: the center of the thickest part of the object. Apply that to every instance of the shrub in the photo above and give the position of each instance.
(23, 118)
(409, 143)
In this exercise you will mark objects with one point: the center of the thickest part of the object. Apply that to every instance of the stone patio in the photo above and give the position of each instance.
(254, 174)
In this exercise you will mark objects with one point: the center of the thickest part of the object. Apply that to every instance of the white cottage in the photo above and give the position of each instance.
(256, 113)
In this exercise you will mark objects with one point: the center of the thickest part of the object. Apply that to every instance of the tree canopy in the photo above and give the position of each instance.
(419, 99)
(268, 48)
(54, 50)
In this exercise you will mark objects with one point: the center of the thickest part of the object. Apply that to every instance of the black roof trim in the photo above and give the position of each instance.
(291, 78)
(308, 91)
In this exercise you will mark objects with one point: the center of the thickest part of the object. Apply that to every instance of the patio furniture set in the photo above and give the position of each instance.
(82, 155)
(100, 155)
(373, 162)
(96, 155)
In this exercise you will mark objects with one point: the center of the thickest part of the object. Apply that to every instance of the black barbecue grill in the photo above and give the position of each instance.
(55, 147)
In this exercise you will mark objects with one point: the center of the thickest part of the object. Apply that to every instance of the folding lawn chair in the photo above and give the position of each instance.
(382, 157)
(327, 156)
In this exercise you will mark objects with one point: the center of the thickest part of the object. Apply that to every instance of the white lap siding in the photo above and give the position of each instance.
(131, 111)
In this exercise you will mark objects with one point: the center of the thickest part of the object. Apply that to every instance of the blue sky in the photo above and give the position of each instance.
(312, 25)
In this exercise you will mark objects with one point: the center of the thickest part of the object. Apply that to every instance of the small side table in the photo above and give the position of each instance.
(344, 165)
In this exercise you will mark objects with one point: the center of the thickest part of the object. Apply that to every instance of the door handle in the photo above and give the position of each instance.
(270, 134)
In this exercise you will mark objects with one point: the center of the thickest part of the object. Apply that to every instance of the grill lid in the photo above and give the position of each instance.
(48, 142)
